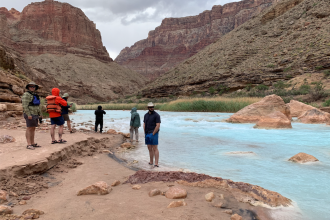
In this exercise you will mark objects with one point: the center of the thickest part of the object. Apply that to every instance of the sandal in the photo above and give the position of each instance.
(30, 147)
(156, 166)
(62, 141)
(71, 132)
(150, 163)
(55, 142)
(36, 145)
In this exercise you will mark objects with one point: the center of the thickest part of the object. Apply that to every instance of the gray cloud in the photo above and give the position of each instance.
(124, 22)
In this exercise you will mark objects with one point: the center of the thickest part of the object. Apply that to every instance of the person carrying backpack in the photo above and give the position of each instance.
(54, 103)
(134, 125)
(99, 118)
(32, 113)
(65, 112)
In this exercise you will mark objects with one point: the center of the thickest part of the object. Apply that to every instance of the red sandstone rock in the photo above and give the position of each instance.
(315, 116)
(175, 204)
(303, 158)
(99, 188)
(176, 193)
(111, 131)
(236, 217)
(298, 108)
(254, 112)
(115, 183)
(274, 120)
(177, 39)
(3, 196)
(5, 210)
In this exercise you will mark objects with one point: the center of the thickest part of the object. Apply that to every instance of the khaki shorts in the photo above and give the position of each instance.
(66, 117)
(31, 123)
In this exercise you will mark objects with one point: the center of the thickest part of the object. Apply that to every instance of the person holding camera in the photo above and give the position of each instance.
(65, 112)
(32, 113)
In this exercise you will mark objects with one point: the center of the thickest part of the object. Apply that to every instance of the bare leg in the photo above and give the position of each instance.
(52, 132)
(69, 125)
(137, 134)
(151, 154)
(28, 136)
(60, 131)
(156, 153)
(131, 132)
(32, 133)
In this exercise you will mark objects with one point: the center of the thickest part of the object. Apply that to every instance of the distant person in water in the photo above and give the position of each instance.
(54, 108)
(151, 127)
(134, 125)
(32, 113)
(65, 112)
(99, 118)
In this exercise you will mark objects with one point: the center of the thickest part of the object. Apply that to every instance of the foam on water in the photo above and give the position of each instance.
(203, 143)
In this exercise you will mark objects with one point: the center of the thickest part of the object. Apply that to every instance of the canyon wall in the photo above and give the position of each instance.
(55, 41)
(177, 39)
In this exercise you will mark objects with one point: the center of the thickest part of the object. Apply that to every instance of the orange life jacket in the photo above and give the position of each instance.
(51, 106)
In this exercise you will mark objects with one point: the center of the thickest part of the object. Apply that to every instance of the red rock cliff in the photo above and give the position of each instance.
(53, 27)
(177, 39)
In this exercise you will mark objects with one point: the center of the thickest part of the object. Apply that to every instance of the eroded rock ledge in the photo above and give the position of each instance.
(243, 192)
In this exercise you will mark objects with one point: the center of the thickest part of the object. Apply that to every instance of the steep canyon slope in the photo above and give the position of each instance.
(63, 48)
(177, 39)
(288, 39)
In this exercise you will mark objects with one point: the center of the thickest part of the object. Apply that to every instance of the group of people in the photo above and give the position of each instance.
(32, 114)
(58, 109)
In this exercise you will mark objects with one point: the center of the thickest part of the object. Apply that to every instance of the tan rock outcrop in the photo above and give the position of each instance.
(303, 158)
(236, 217)
(5, 210)
(111, 131)
(3, 196)
(209, 197)
(99, 188)
(116, 183)
(177, 39)
(298, 108)
(176, 193)
(3, 108)
(275, 120)
(155, 192)
(314, 116)
(175, 204)
(254, 112)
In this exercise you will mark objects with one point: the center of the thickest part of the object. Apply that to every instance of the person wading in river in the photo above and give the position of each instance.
(151, 130)
(134, 125)
(31, 109)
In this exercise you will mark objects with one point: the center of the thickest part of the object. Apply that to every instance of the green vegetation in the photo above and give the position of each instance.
(270, 65)
(211, 90)
(319, 67)
(222, 89)
(327, 73)
(326, 103)
(287, 69)
(113, 106)
(261, 87)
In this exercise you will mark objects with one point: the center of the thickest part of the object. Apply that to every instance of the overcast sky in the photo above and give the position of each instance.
(124, 22)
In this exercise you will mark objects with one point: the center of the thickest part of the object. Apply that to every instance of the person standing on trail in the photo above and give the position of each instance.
(151, 130)
(54, 108)
(99, 118)
(65, 112)
(32, 113)
(134, 125)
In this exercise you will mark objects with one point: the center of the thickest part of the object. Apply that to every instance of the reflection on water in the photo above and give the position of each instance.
(201, 142)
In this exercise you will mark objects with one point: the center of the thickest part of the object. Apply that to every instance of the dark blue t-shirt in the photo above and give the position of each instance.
(150, 120)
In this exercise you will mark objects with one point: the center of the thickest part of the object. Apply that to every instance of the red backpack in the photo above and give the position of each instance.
(51, 106)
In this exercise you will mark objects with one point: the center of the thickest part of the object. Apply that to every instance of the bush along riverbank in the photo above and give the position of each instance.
(217, 104)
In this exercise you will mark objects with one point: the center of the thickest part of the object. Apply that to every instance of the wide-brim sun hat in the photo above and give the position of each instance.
(65, 95)
(150, 104)
(32, 83)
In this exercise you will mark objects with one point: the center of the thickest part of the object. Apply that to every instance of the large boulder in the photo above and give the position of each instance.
(176, 193)
(99, 188)
(314, 116)
(274, 120)
(303, 158)
(5, 210)
(298, 108)
(254, 112)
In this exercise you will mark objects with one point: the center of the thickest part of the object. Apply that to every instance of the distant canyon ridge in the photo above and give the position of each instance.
(61, 47)
(177, 39)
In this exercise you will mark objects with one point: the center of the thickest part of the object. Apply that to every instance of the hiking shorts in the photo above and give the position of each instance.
(151, 139)
(57, 121)
(66, 117)
(31, 123)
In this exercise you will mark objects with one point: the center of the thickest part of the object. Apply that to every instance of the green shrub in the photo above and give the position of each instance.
(261, 87)
(222, 89)
(327, 73)
(281, 85)
(139, 96)
(319, 67)
(171, 96)
(287, 69)
(270, 65)
(318, 92)
(248, 87)
(211, 90)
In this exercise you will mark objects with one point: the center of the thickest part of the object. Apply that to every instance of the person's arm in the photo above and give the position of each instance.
(62, 102)
(144, 128)
(26, 99)
(156, 128)
(104, 112)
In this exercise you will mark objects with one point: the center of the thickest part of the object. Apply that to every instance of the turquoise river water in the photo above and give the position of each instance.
(203, 143)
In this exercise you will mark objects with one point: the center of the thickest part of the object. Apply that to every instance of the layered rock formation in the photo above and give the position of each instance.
(177, 39)
(62, 48)
(288, 39)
